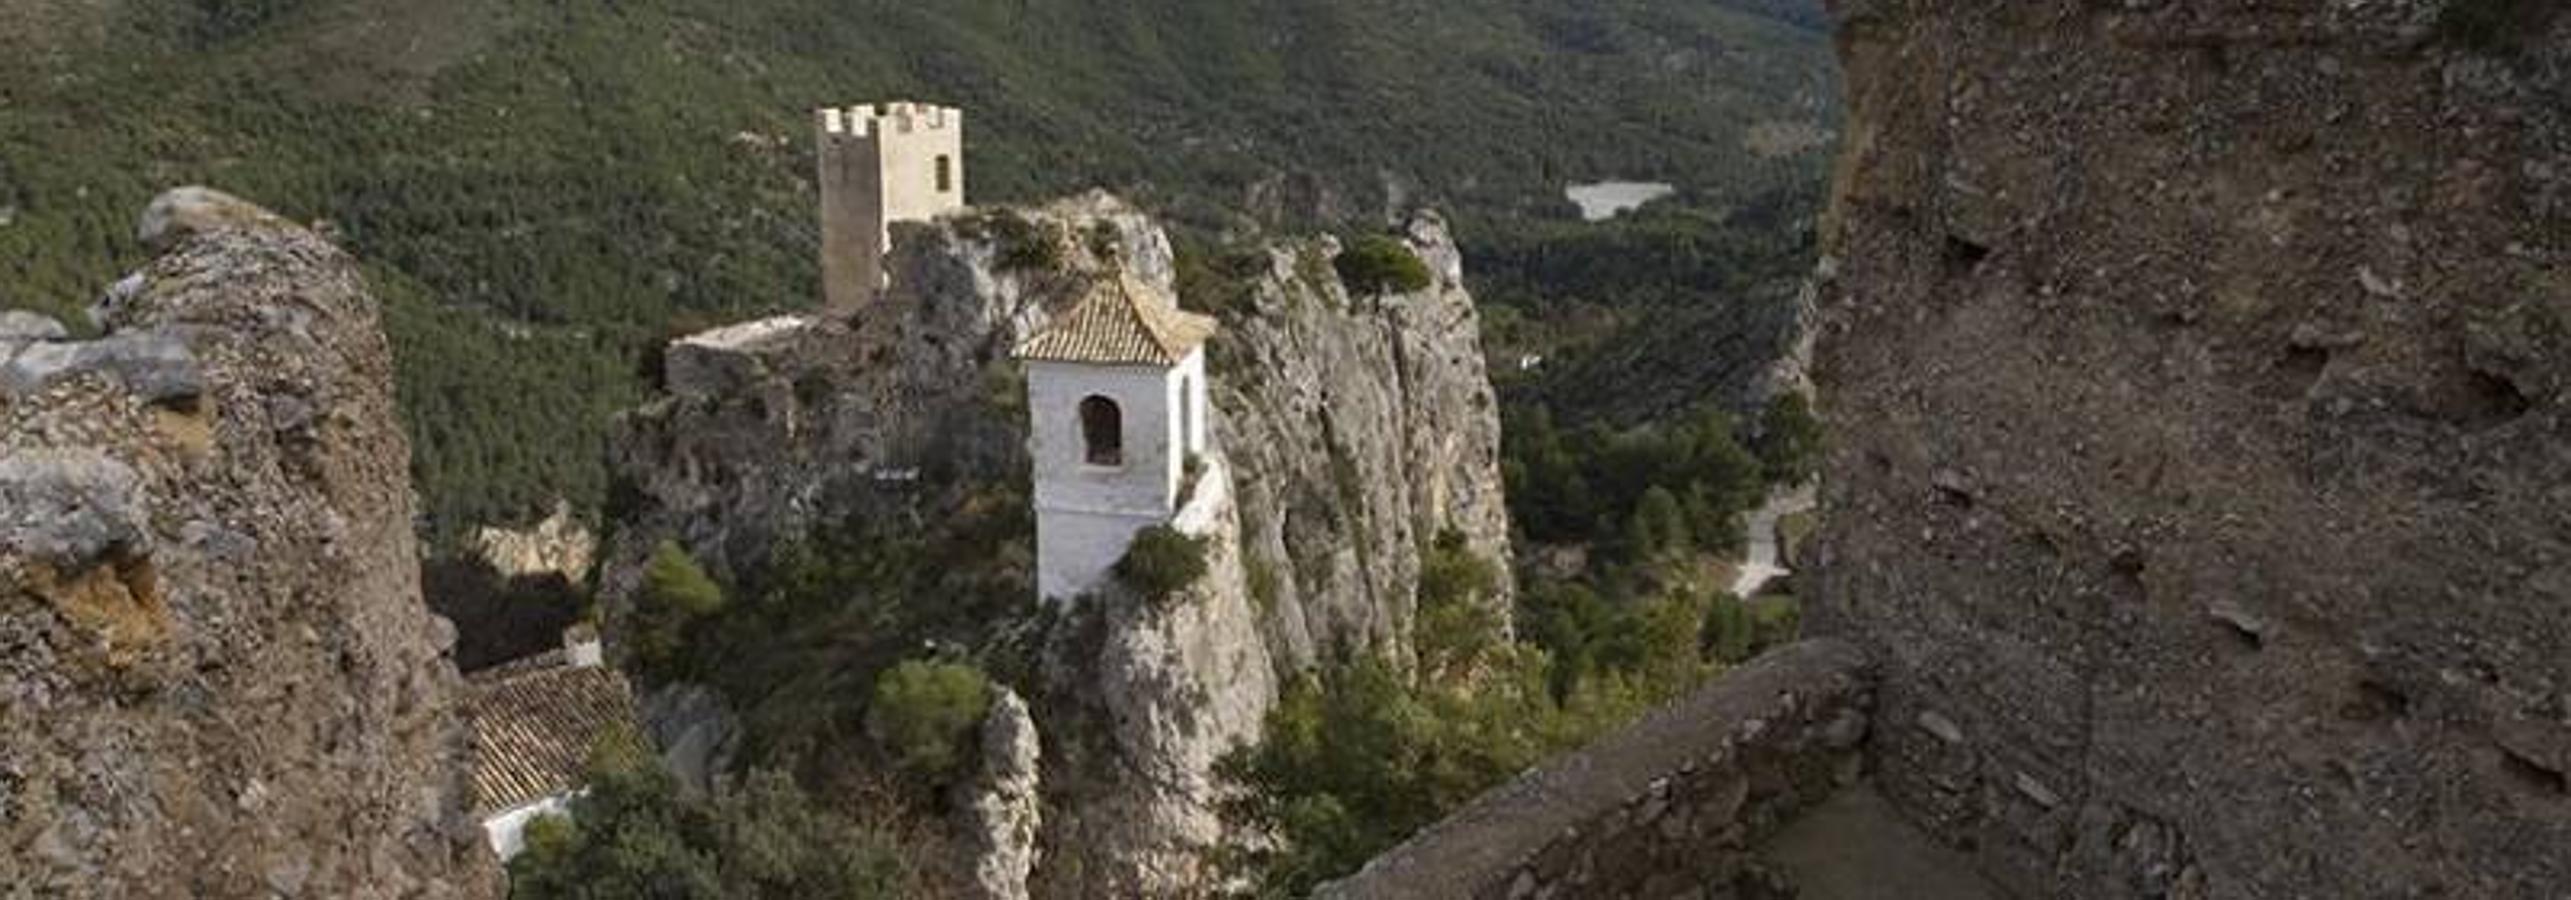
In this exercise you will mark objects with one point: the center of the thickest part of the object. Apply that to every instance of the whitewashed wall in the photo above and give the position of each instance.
(1086, 515)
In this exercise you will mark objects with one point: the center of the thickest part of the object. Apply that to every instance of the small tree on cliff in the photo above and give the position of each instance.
(676, 595)
(1377, 264)
(1789, 444)
(1161, 562)
(924, 713)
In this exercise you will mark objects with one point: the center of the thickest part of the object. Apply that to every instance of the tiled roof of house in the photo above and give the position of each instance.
(533, 729)
(1121, 323)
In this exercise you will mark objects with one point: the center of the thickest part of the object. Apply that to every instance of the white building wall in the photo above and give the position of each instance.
(1087, 515)
(1187, 394)
(507, 831)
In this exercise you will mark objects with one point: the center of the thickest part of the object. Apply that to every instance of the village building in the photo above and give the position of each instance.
(534, 723)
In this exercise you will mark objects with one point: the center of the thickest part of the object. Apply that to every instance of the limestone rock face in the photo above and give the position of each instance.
(2199, 377)
(1349, 431)
(1145, 695)
(216, 671)
(1001, 808)
(1359, 427)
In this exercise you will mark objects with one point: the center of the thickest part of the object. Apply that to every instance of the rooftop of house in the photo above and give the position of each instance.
(534, 722)
(1121, 323)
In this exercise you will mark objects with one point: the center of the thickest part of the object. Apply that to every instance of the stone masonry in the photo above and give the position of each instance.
(1670, 807)
(2199, 382)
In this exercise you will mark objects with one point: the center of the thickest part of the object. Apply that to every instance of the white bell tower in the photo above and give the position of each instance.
(1116, 395)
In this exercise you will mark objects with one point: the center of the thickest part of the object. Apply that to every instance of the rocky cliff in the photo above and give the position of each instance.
(2199, 377)
(216, 673)
(1351, 430)
(1360, 427)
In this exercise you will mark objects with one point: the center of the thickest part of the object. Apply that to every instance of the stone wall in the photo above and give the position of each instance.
(2199, 382)
(1669, 807)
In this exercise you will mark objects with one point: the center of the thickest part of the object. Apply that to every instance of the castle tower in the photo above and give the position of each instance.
(1116, 395)
(898, 162)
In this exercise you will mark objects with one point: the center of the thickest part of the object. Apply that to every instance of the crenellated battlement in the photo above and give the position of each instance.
(880, 163)
(872, 120)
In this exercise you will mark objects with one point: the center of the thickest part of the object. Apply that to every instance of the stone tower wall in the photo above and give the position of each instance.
(2199, 381)
(880, 165)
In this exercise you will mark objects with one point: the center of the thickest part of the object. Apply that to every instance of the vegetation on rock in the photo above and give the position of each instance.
(1789, 441)
(924, 714)
(675, 596)
(633, 833)
(1361, 755)
(1381, 264)
(1162, 561)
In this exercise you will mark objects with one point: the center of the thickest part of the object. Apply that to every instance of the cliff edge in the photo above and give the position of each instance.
(217, 677)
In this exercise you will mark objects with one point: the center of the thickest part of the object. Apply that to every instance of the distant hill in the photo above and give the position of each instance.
(544, 189)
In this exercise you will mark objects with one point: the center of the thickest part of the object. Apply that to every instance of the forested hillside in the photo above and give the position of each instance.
(546, 188)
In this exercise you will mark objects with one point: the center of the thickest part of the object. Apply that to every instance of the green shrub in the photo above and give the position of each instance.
(1789, 444)
(1162, 561)
(1379, 264)
(1214, 279)
(634, 834)
(1104, 240)
(1457, 625)
(1737, 629)
(676, 595)
(1730, 632)
(925, 712)
(1024, 244)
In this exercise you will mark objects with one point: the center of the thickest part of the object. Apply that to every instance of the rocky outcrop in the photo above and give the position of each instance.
(1144, 696)
(1001, 808)
(217, 673)
(1360, 427)
(559, 547)
(2199, 381)
(767, 429)
(1351, 431)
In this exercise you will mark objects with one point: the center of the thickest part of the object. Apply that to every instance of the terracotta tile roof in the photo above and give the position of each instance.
(532, 730)
(1121, 323)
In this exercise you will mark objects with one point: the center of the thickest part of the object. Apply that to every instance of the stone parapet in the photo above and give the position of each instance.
(1669, 807)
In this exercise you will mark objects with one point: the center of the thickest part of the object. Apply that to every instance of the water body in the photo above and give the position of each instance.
(1608, 199)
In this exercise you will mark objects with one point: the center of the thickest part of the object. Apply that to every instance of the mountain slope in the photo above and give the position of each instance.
(545, 189)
